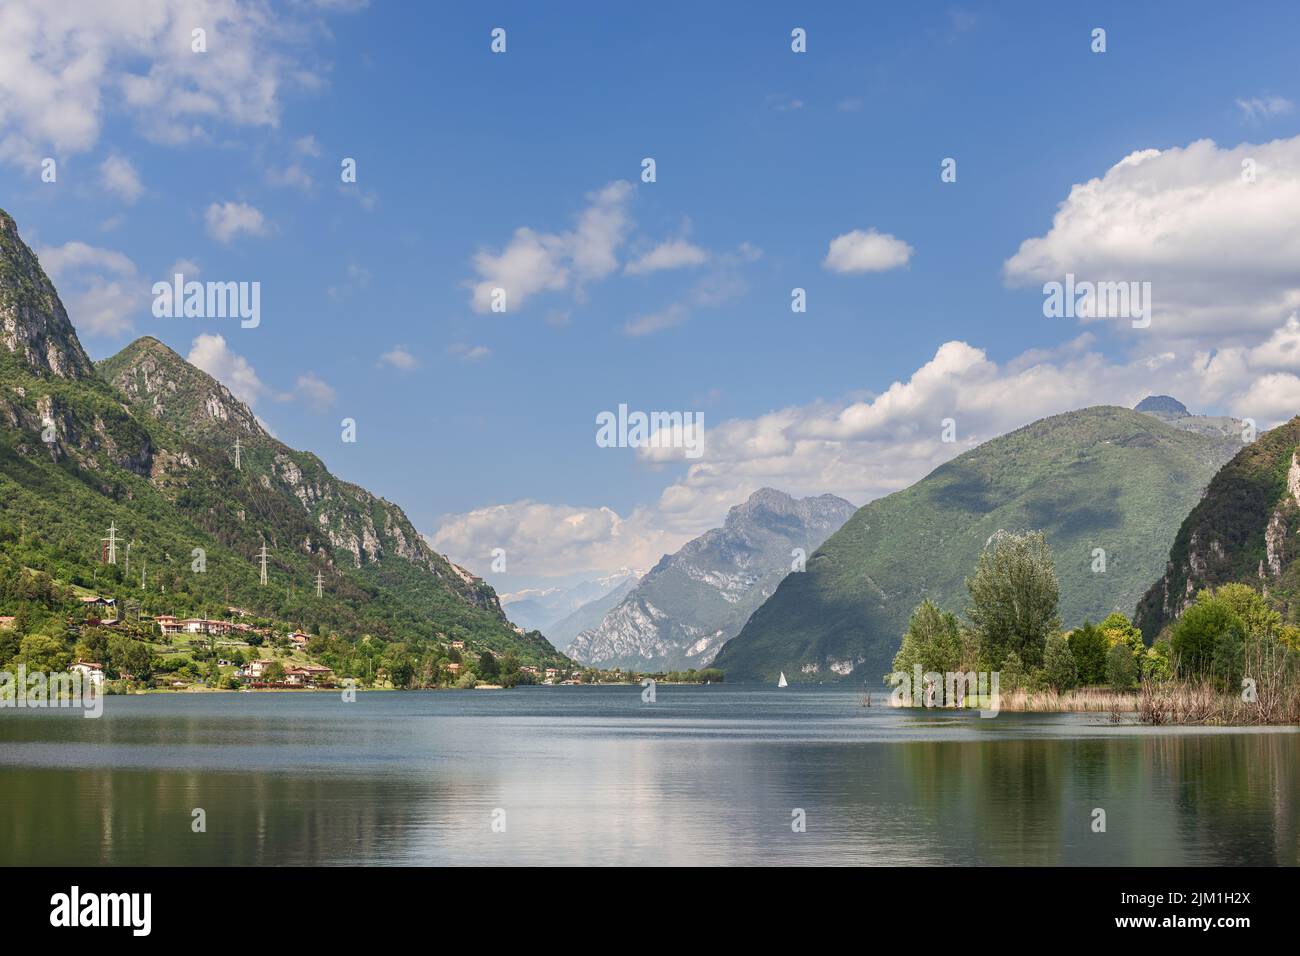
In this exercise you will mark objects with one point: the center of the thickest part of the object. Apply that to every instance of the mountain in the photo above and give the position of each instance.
(540, 608)
(1102, 477)
(1162, 405)
(146, 441)
(691, 602)
(1173, 412)
(563, 632)
(1245, 529)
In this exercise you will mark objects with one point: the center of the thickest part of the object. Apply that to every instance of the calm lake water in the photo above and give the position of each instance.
(591, 775)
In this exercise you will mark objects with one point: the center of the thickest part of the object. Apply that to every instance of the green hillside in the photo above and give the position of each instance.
(145, 442)
(1246, 529)
(1103, 477)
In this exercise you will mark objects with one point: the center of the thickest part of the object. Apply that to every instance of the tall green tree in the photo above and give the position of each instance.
(1088, 645)
(1196, 633)
(1059, 671)
(1014, 593)
(933, 640)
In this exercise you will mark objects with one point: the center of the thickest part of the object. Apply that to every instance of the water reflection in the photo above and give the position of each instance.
(592, 776)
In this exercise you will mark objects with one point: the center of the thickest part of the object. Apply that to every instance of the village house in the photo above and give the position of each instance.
(551, 672)
(201, 625)
(6, 620)
(459, 645)
(453, 667)
(90, 672)
(255, 669)
(168, 624)
(307, 675)
(299, 639)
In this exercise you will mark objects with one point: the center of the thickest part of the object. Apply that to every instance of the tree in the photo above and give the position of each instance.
(1014, 593)
(933, 640)
(1198, 630)
(1012, 676)
(1059, 670)
(400, 672)
(1121, 667)
(1088, 645)
(40, 652)
(273, 673)
(487, 665)
(1158, 663)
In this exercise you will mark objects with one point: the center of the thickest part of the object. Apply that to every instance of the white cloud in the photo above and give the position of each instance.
(673, 254)
(63, 65)
(318, 393)
(118, 176)
(293, 176)
(469, 353)
(552, 540)
(863, 448)
(1259, 108)
(1220, 253)
(399, 358)
(868, 251)
(211, 353)
(186, 267)
(653, 322)
(101, 288)
(535, 262)
(228, 219)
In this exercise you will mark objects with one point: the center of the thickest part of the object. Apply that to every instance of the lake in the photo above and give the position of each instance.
(592, 775)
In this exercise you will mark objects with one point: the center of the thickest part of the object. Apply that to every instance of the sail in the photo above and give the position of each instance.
(782, 682)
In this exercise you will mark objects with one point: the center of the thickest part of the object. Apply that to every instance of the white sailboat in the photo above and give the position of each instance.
(782, 681)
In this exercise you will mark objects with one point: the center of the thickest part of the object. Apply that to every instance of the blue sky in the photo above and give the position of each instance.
(764, 156)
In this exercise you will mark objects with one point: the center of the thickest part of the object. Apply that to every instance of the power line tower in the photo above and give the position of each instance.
(238, 448)
(111, 541)
(320, 584)
(261, 555)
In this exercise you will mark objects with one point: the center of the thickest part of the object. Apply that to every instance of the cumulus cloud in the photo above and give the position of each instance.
(63, 65)
(535, 262)
(1219, 248)
(118, 176)
(314, 390)
(211, 353)
(399, 357)
(653, 322)
(551, 540)
(673, 254)
(868, 251)
(101, 288)
(227, 220)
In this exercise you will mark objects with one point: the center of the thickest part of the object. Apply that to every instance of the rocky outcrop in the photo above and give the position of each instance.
(34, 326)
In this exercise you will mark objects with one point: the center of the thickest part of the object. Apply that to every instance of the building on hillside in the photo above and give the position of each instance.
(551, 672)
(6, 620)
(168, 624)
(255, 669)
(459, 645)
(299, 639)
(453, 667)
(90, 672)
(202, 625)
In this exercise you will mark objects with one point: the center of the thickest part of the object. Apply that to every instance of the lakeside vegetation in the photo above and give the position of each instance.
(1229, 659)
